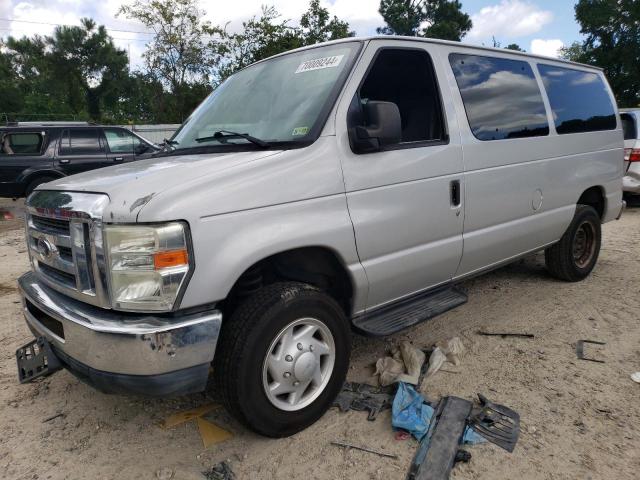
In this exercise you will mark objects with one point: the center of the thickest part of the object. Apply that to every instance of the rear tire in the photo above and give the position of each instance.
(575, 255)
(37, 182)
(264, 350)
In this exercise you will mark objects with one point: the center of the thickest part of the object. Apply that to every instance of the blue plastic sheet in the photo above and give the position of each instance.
(411, 413)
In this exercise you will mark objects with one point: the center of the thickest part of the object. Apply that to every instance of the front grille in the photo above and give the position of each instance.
(47, 321)
(65, 243)
(67, 279)
(51, 225)
(66, 253)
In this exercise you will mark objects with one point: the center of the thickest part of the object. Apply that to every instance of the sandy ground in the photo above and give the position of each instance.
(580, 420)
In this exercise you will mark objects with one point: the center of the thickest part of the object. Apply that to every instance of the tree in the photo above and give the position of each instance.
(443, 18)
(317, 27)
(612, 31)
(264, 36)
(514, 46)
(185, 49)
(89, 61)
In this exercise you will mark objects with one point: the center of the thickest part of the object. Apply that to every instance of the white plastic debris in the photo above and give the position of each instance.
(635, 377)
(450, 351)
(403, 366)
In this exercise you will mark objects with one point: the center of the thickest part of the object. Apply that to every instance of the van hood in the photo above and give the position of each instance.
(132, 185)
(196, 187)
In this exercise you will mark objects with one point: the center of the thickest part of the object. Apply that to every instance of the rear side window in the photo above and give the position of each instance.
(501, 97)
(22, 143)
(81, 141)
(579, 100)
(628, 126)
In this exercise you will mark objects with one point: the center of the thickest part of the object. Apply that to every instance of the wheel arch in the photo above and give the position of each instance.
(594, 197)
(318, 265)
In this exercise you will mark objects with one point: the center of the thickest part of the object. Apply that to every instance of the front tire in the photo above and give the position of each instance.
(573, 258)
(282, 358)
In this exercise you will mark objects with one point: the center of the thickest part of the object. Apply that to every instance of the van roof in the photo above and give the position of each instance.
(448, 43)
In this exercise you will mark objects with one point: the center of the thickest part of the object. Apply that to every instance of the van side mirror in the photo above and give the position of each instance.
(383, 127)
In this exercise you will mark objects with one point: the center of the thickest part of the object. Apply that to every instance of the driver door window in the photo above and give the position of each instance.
(406, 78)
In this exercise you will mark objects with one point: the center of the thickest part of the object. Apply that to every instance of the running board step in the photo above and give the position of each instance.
(407, 313)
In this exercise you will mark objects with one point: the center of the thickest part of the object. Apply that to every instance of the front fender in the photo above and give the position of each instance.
(227, 245)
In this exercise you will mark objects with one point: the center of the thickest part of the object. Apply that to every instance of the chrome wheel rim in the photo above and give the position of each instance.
(298, 364)
(584, 244)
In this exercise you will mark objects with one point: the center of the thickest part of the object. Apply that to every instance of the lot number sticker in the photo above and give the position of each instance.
(319, 63)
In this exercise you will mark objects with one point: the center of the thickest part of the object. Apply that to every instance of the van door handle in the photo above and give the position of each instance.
(455, 193)
(64, 160)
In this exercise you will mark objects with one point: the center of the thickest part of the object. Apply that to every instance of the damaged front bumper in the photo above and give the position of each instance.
(119, 352)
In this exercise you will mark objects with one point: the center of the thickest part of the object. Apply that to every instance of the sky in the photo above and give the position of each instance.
(538, 26)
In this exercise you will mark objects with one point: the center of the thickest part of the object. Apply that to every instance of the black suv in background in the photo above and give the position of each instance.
(33, 153)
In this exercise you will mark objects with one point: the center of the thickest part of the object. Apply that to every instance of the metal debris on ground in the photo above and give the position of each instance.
(404, 365)
(505, 334)
(496, 423)
(580, 350)
(363, 449)
(363, 397)
(221, 471)
(52, 417)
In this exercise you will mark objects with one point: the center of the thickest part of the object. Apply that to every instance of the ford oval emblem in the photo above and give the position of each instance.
(45, 247)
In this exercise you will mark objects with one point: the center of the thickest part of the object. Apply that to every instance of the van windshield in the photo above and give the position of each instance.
(285, 99)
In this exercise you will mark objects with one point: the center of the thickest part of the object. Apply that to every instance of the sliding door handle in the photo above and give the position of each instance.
(454, 190)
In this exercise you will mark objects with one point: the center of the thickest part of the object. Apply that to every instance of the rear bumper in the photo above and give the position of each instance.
(121, 352)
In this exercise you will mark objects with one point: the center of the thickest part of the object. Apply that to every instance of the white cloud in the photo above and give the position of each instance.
(509, 18)
(548, 48)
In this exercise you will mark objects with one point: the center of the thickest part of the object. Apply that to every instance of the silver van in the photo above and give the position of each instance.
(347, 186)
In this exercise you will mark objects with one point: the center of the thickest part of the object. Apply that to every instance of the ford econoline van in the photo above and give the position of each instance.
(348, 186)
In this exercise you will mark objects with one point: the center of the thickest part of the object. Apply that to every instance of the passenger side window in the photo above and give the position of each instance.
(122, 141)
(22, 143)
(406, 77)
(81, 141)
(580, 100)
(501, 97)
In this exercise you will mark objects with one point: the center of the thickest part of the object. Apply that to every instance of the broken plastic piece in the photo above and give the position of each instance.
(221, 471)
(635, 377)
(363, 397)
(496, 423)
(580, 350)
(182, 417)
(211, 433)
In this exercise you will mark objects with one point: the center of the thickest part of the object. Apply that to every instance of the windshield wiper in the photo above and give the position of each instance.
(169, 144)
(224, 134)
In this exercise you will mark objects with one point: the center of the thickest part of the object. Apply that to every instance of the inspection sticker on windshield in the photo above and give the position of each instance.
(300, 131)
(319, 63)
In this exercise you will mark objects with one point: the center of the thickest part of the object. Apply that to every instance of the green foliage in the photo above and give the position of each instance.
(514, 46)
(78, 73)
(443, 18)
(612, 31)
(266, 35)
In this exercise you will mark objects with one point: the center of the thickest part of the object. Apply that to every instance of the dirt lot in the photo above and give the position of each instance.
(580, 420)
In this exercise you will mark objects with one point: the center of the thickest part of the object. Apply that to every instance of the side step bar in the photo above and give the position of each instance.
(409, 312)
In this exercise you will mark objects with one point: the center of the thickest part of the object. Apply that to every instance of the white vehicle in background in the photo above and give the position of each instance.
(345, 186)
(630, 126)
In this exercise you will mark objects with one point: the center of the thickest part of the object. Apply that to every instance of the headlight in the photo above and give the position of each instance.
(147, 265)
